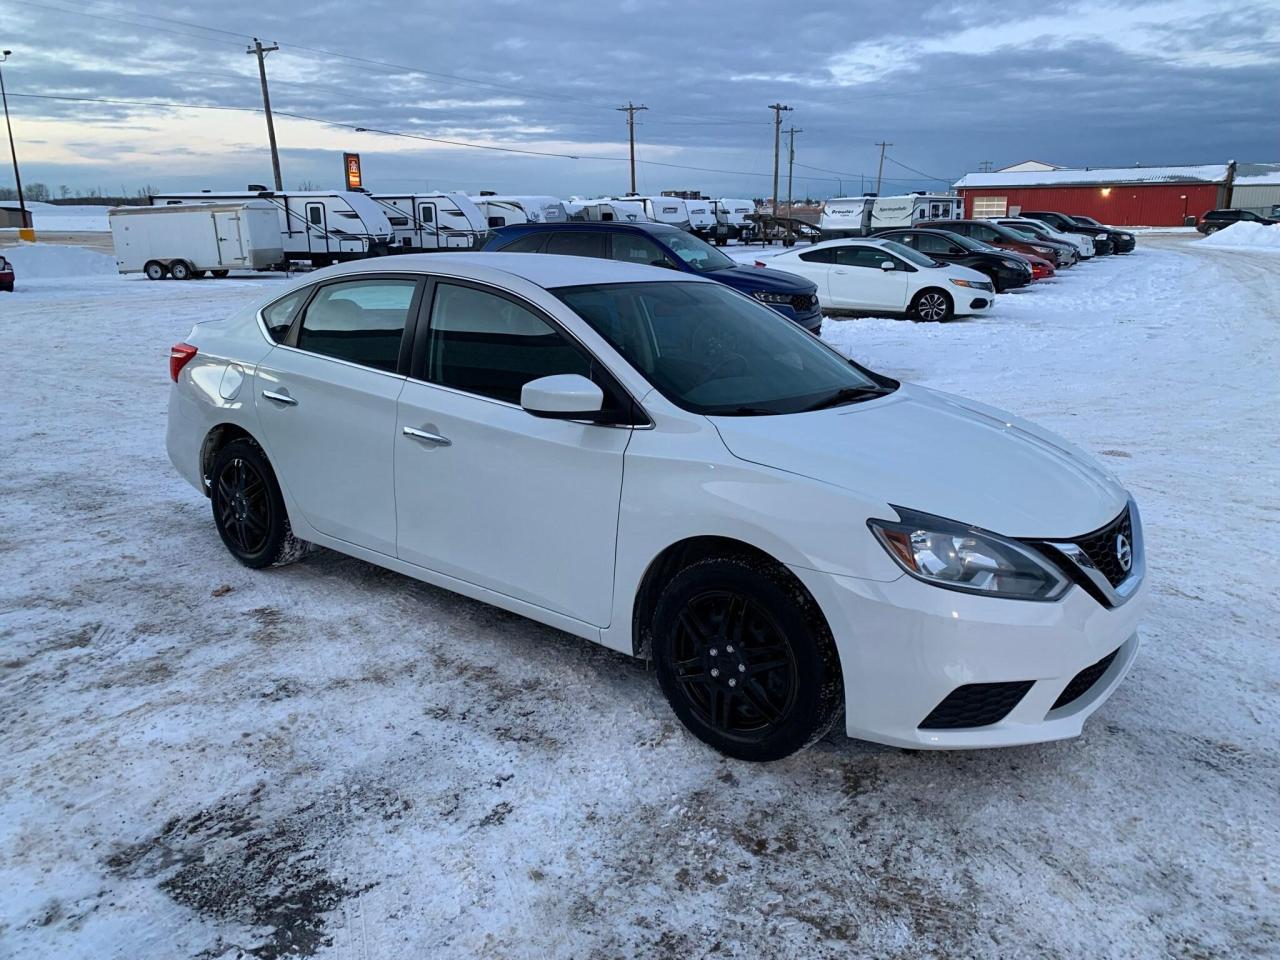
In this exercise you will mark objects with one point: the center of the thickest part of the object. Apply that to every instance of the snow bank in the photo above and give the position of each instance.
(38, 261)
(1257, 236)
(71, 218)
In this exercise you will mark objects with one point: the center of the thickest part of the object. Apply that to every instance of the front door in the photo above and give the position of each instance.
(489, 494)
(317, 228)
(326, 399)
(428, 232)
(859, 281)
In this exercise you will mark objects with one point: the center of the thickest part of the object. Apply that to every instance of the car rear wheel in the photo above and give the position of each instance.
(155, 270)
(745, 658)
(248, 508)
(933, 306)
(180, 270)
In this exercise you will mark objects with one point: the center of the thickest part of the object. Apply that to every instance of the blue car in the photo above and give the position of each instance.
(665, 246)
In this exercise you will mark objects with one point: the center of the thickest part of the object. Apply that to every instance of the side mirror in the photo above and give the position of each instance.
(564, 396)
(887, 265)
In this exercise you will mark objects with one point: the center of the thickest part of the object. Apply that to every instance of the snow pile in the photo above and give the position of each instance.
(1242, 233)
(39, 261)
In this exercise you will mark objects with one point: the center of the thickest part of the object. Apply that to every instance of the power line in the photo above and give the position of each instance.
(921, 172)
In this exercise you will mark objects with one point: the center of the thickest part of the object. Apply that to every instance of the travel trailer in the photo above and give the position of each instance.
(319, 226)
(605, 211)
(183, 242)
(670, 210)
(861, 216)
(731, 219)
(505, 211)
(702, 219)
(424, 222)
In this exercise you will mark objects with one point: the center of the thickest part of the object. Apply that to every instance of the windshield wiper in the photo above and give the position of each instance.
(745, 412)
(845, 395)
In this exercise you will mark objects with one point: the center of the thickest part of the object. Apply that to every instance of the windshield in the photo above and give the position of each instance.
(971, 244)
(699, 256)
(1086, 221)
(909, 255)
(712, 351)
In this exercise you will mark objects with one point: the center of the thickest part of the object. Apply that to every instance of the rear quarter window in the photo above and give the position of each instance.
(278, 317)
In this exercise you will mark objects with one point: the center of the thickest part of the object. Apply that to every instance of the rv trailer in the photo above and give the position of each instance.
(425, 222)
(319, 226)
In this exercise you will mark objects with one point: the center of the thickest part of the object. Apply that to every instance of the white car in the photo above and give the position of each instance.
(665, 466)
(1083, 244)
(885, 276)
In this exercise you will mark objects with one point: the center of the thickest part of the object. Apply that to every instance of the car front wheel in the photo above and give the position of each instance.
(745, 658)
(248, 508)
(932, 306)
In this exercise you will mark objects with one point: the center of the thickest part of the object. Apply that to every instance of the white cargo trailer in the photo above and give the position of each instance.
(321, 226)
(188, 241)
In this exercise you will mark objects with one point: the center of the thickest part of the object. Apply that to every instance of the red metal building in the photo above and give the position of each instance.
(1124, 196)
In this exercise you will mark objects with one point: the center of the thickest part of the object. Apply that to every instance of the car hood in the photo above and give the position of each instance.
(940, 454)
(761, 278)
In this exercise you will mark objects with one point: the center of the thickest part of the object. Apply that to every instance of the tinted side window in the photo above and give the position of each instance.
(861, 257)
(578, 243)
(361, 321)
(529, 243)
(279, 316)
(985, 234)
(819, 256)
(491, 346)
(634, 248)
(928, 243)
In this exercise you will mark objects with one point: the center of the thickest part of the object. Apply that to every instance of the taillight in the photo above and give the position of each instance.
(180, 355)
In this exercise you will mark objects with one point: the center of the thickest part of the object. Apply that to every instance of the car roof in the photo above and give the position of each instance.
(544, 270)
(608, 225)
(842, 242)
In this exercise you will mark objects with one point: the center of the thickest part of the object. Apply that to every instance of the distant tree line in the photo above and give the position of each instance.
(40, 193)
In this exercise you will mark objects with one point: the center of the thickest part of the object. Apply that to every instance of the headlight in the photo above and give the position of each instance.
(765, 296)
(1126, 236)
(975, 284)
(1044, 250)
(1101, 236)
(1015, 264)
(952, 555)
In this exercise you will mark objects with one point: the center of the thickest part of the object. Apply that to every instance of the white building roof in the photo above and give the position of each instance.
(1202, 173)
(1258, 175)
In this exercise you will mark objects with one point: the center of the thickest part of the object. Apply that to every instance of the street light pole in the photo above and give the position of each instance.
(24, 231)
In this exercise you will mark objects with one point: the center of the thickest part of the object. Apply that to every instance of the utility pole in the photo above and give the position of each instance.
(630, 110)
(791, 162)
(880, 171)
(261, 53)
(24, 232)
(777, 109)
(984, 166)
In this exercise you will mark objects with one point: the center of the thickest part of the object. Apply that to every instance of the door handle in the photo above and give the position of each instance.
(426, 437)
(284, 398)
(840, 273)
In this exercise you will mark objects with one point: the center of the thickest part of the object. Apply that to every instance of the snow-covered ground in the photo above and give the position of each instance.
(73, 217)
(197, 760)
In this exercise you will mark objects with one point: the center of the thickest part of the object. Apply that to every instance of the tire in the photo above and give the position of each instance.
(7, 288)
(155, 270)
(180, 270)
(775, 691)
(248, 509)
(220, 274)
(933, 306)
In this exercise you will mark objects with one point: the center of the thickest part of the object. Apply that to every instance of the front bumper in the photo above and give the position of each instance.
(810, 319)
(906, 646)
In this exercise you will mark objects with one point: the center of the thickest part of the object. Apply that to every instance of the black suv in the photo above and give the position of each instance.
(1006, 269)
(1105, 240)
(1124, 240)
(1215, 220)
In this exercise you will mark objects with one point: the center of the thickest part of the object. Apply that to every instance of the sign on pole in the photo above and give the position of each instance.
(351, 163)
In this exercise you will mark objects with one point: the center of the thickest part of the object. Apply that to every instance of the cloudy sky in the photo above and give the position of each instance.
(949, 84)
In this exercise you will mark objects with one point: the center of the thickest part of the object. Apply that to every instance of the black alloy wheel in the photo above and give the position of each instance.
(248, 508)
(745, 658)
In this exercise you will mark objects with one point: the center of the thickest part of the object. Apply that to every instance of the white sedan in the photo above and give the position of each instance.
(663, 465)
(882, 276)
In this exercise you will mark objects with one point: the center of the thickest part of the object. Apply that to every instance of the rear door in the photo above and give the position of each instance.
(579, 243)
(226, 225)
(326, 399)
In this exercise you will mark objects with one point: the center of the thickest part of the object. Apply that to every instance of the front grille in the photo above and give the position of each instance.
(976, 705)
(803, 302)
(1100, 547)
(1083, 681)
